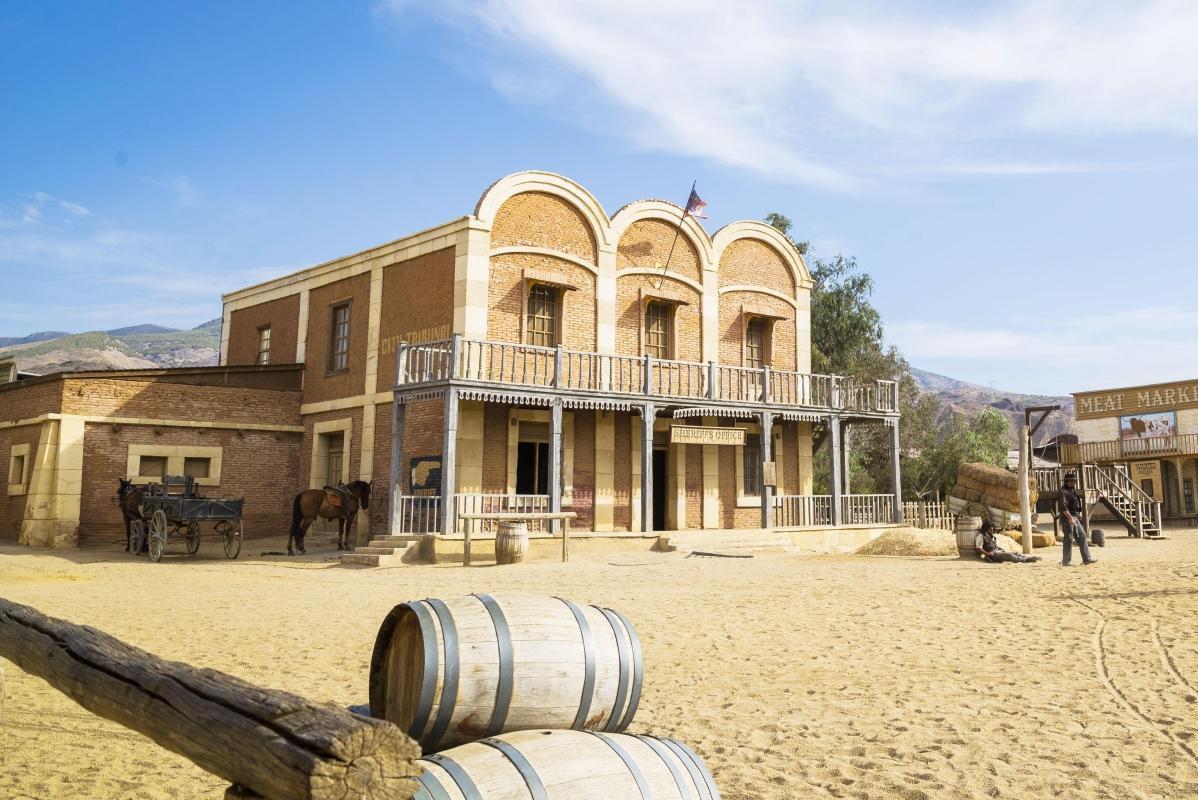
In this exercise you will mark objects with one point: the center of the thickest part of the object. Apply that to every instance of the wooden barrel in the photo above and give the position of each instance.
(511, 542)
(967, 533)
(570, 765)
(453, 671)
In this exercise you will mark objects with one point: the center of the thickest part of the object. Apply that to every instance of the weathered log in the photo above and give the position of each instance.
(276, 743)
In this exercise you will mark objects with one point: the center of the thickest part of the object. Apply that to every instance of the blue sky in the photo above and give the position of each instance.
(1018, 177)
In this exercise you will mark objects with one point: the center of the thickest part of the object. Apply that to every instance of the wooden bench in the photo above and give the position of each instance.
(531, 516)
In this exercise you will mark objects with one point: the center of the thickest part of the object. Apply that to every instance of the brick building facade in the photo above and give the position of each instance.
(536, 354)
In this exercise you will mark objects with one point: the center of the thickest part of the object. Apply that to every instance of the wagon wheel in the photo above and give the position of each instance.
(157, 535)
(193, 537)
(233, 540)
(137, 536)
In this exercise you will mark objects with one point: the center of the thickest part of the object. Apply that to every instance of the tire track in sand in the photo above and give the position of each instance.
(1120, 698)
(1161, 648)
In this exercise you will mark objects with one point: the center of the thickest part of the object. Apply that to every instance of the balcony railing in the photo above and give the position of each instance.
(1185, 444)
(511, 364)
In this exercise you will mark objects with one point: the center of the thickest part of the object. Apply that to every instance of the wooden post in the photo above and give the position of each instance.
(1084, 488)
(648, 375)
(713, 377)
(767, 456)
(846, 484)
(765, 384)
(896, 477)
(834, 473)
(398, 416)
(277, 744)
(648, 414)
(555, 462)
(557, 367)
(1025, 497)
(449, 455)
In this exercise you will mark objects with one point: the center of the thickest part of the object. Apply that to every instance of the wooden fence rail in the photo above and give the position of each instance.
(274, 743)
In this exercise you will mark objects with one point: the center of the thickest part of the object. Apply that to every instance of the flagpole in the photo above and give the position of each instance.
(677, 233)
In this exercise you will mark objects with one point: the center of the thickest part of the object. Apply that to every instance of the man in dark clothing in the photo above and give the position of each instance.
(987, 544)
(1069, 503)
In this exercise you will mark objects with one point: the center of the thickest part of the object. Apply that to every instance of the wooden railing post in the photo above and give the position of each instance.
(648, 374)
(713, 376)
(557, 367)
(765, 384)
(455, 347)
(401, 366)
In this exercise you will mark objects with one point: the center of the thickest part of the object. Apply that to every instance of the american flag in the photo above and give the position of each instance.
(695, 206)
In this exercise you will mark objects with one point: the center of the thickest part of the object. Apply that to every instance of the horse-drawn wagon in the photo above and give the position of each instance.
(174, 508)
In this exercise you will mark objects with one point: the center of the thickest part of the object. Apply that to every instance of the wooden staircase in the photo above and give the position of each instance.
(382, 551)
(1126, 501)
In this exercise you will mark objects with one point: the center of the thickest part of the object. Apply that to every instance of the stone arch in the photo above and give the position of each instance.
(769, 236)
(535, 181)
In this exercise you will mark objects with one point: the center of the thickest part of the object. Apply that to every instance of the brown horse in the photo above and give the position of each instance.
(340, 503)
(128, 497)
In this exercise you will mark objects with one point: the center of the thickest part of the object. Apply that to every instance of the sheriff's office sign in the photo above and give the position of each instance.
(693, 434)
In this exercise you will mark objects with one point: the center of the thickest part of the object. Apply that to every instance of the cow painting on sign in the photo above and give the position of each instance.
(1148, 426)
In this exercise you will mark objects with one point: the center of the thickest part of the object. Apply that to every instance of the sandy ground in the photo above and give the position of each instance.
(793, 676)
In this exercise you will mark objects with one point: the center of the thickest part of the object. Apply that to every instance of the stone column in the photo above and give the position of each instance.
(767, 456)
(449, 458)
(834, 474)
(605, 469)
(648, 415)
(555, 460)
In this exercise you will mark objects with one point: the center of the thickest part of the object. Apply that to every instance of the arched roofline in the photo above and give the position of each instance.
(769, 235)
(666, 212)
(546, 183)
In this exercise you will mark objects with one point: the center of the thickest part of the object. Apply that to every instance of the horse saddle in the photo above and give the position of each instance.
(338, 497)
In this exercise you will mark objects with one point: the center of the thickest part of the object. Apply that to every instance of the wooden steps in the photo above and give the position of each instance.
(382, 551)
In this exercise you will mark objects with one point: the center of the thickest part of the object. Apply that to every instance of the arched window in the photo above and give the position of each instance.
(658, 329)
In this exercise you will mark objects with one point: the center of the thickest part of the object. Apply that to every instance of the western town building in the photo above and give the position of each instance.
(536, 353)
(1149, 433)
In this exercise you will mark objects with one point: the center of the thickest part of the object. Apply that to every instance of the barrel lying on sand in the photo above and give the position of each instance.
(567, 765)
(454, 671)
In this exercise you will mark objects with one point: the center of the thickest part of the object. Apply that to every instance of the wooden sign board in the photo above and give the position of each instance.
(1137, 399)
(769, 473)
(693, 434)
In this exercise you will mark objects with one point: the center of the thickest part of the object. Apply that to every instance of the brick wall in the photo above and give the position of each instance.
(646, 244)
(622, 495)
(380, 483)
(731, 516)
(24, 400)
(259, 466)
(159, 399)
(756, 263)
(536, 219)
(423, 435)
(282, 315)
(694, 485)
(508, 302)
(417, 297)
(319, 383)
(584, 469)
(12, 509)
(495, 447)
(688, 325)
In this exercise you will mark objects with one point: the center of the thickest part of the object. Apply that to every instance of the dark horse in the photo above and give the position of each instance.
(340, 503)
(128, 497)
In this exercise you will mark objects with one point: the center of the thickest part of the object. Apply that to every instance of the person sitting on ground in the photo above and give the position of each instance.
(988, 549)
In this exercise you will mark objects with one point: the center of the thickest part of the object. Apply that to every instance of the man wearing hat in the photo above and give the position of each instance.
(1069, 503)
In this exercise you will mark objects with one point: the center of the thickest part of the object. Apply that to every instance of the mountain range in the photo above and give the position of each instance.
(150, 346)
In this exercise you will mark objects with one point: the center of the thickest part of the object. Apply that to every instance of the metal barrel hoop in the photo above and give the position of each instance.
(503, 640)
(533, 781)
(449, 686)
(588, 657)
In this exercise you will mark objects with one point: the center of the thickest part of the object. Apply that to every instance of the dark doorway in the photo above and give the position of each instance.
(660, 460)
(532, 468)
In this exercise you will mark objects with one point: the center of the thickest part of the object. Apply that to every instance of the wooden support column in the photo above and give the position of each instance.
(1083, 489)
(834, 474)
(845, 472)
(648, 415)
(1179, 467)
(449, 460)
(396, 475)
(767, 456)
(555, 462)
(896, 477)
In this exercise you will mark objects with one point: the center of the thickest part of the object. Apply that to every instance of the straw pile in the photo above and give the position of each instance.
(1039, 538)
(991, 486)
(920, 542)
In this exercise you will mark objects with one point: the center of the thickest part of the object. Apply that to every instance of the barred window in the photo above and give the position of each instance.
(756, 346)
(339, 338)
(543, 322)
(751, 453)
(658, 319)
(264, 344)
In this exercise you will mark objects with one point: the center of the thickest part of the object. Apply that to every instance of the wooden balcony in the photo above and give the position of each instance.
(557, 369)
(1114, 450)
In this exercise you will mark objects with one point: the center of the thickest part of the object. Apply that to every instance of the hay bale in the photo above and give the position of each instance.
(911, 542)
(1039, 538)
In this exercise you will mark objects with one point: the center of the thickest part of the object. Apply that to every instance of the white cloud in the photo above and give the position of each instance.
(840, 95)
(1058, 354)
(32, 210)
(186, 194)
